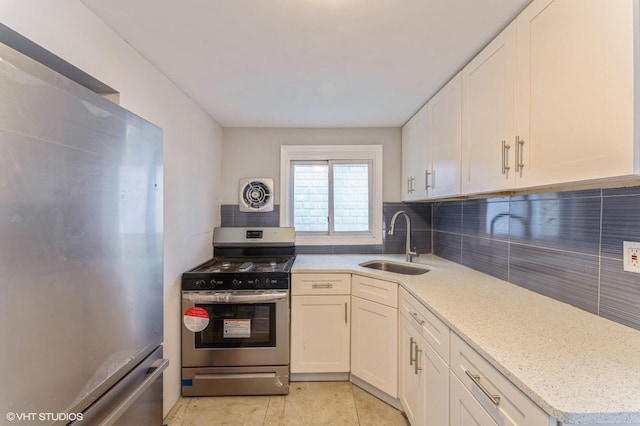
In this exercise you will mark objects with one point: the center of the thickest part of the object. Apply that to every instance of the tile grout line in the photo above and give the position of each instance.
(600, 249)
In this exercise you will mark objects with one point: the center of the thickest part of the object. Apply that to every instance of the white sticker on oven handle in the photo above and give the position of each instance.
(196, 319)
(237, 328)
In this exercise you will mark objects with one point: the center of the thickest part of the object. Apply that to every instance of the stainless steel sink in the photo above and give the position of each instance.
(396, 267)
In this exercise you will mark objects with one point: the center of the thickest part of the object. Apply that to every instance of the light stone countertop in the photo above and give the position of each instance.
(578, 367)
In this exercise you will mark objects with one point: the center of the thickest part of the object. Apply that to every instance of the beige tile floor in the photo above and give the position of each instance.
(308, 403)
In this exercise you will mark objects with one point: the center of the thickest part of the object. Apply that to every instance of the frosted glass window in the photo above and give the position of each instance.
(331, 197)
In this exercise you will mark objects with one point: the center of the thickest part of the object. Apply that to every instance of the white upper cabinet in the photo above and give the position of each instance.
(444, 112)
(550, 101)
(575, 96)
(414, 157)
(488, 116)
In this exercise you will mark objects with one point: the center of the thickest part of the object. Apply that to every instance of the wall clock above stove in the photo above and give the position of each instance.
(256, 195)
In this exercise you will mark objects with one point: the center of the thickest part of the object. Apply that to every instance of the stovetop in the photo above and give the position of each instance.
(228, 273)
(227, 265)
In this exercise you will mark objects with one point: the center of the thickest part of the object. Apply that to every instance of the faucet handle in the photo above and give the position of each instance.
(412, 254)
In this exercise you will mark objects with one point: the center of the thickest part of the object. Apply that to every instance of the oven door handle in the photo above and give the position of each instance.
(233, 298)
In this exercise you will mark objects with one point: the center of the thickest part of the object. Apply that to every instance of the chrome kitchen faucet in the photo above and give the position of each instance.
(408, 251)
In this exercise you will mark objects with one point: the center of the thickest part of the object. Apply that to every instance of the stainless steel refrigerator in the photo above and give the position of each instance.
(81, 254)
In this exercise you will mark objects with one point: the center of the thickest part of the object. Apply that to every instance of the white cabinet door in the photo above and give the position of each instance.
(410, 391)
(414, 157)
(435, 387)
(320, 334)
(575, 79)
(374, 354)
(488, 116)
(408, 136)
(444, 140)
(464, 408)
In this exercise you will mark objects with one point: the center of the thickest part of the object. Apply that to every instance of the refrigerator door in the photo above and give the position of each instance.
(81, 247)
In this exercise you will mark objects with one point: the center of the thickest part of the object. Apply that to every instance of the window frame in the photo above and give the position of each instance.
(336, 154)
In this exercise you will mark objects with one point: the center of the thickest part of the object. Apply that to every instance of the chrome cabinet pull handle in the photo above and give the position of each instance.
(519, 154)
(411, 343)
(426, 180)
(416, 367)
(415, 317)
(346, 320)
(495, 399)
(325, 285)
(505, 157)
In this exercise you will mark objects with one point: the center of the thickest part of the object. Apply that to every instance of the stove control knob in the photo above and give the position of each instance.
(235, 282)
(267, 282)
(212, 284)
(201, 283)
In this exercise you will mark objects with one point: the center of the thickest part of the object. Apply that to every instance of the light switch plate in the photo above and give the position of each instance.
(631, 256)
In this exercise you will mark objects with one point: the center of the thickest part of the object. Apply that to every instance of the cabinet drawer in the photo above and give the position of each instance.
(310, 284)
(504, 402)
(375, 290)
(434, 331)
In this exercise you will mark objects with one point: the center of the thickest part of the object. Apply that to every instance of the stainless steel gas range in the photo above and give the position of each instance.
(235, 330)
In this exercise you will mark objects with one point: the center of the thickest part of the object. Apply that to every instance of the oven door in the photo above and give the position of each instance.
(235, 328)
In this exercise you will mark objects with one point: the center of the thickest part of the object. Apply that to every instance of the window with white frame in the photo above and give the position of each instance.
(332, 194)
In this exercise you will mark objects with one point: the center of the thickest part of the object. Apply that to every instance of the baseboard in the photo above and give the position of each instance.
(319, 377)
(394, 402)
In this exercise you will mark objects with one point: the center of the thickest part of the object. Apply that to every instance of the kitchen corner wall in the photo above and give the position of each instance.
(566, 245)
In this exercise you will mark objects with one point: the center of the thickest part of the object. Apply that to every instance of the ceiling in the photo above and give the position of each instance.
(308, 63)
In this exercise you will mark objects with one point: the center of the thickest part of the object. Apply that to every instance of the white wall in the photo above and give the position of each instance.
(255, 152)
(192, 139)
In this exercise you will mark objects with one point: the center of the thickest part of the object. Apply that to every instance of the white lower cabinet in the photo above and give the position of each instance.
(374, 333)
(374, 359)
(435, 387)
(424, 375)
(320, 323)
(410, 376)
(497, 400)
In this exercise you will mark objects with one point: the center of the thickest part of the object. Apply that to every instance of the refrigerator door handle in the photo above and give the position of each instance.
(154, 372)
(96, 414)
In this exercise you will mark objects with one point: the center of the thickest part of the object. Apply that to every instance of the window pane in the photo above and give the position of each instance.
(311, 197)
(351, 197)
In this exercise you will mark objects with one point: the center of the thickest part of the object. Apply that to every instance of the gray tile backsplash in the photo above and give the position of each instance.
(619, 293)
(620, 222)
(563, 275)
(563, 223)
(486, 255)
(230, 215)
(566, 245)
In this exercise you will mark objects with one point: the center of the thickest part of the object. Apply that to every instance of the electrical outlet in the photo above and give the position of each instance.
(631, 256)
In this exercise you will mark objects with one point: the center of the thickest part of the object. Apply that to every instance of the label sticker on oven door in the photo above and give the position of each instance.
(234, 328)
(196, 319)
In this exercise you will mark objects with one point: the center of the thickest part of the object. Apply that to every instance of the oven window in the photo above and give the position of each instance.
(238, 325)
